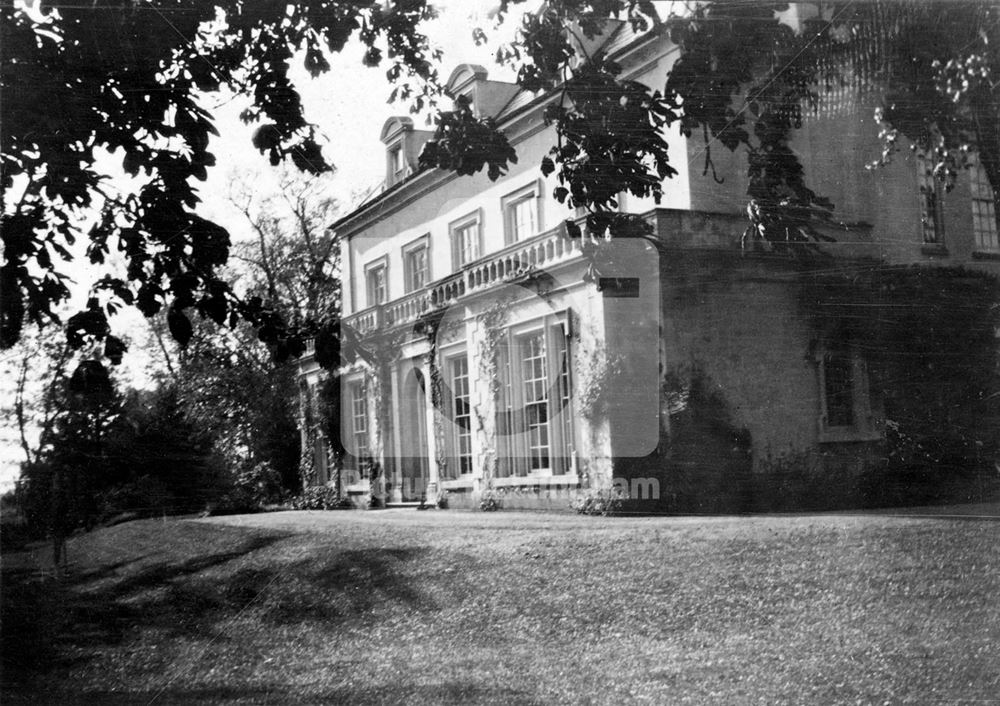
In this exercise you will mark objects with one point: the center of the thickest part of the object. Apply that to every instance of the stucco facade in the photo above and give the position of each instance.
(497, 366)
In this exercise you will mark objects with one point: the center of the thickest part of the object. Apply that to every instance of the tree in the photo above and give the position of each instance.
(161, 460)
(109, 453)
(38, 369)
(76, 93)
(231, 388)
(744, 78)
(939, 68)
(293, 262)
(228, 381)
(61, 483)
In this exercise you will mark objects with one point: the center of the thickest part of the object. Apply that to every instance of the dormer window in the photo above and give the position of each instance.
(469, 83)
(397, 163)
(401, 143)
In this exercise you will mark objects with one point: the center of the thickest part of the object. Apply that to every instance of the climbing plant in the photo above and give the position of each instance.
(930, 338)
(431, 326)
(491, 323)
(381, 349)
(598, 372)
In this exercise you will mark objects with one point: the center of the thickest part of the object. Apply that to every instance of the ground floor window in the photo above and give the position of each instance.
(845, 404)
(358, 429)
(838, 386)
(457, 368)
(535, 393)
(534, 406)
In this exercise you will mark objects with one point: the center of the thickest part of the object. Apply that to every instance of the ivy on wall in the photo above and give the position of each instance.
(929, 335)
(491, 322)
(598, 372)
(430, 326)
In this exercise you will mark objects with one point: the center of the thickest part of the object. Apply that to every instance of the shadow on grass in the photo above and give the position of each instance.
(450, 692)
(51, 626)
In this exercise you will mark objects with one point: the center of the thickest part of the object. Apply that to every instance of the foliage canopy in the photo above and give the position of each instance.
(125, 77)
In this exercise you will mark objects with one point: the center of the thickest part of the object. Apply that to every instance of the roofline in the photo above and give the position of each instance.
(502, 121)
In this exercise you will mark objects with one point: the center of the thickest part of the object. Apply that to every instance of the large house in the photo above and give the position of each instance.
(696, 374)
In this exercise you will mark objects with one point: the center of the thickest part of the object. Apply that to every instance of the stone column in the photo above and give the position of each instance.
(395, 443)
(433, 479)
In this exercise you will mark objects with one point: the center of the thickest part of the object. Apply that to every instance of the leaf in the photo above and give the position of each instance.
(209, 242)
(315, 62)
(114, 349)
(91, 378)
(180, 326)
(131, 162)
(88, 324)
(266, 137)
(148, 300)
(214, 305)
(328, 346)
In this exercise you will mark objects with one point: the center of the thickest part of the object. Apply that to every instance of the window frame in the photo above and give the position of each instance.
(931, 192)
(359, 435)
(380, 263)
(529, 193)
(456, 435)
(408, 250)
(863, 426)
(981, 196)
(454, 229)
(514, 448)
(396, 162)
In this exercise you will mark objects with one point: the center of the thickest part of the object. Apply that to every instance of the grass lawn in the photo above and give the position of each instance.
(431, 607)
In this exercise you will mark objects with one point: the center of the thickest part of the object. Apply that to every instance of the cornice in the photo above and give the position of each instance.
(403, 193)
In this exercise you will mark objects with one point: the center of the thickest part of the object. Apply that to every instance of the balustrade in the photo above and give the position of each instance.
(546, 249)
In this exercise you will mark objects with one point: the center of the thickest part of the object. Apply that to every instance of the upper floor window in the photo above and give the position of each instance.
(416, 264)
(520, 213)
(376, 283)
(984, 215)
(931, 201)
(466, 239)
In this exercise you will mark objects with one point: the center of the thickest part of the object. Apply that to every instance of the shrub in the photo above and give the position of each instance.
(442, 500)
(600, 501)
(258, 484)
(320, 497)
(491, 501)
(144, 496)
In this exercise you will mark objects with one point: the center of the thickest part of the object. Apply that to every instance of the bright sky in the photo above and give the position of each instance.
(349, 105)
